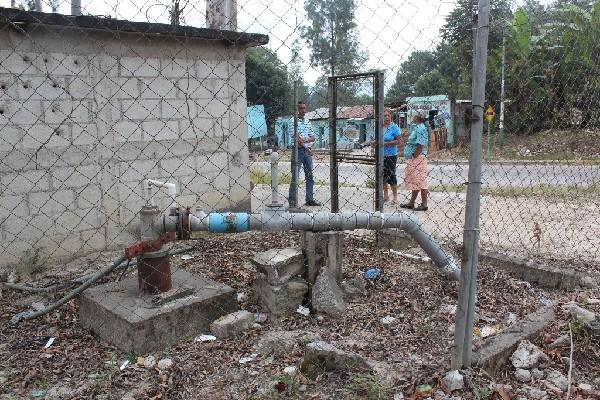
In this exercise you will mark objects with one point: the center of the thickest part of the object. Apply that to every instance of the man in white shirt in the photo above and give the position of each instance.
(306, 138)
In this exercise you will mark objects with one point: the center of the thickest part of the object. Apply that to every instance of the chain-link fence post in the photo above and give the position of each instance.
(293, 200)
(463, 336)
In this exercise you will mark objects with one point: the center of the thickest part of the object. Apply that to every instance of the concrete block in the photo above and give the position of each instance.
(80, 87)
(178, 67)
(201, 128)
(136, 171)
(158, 88)
(76, 220)
(538, 274)
(496, 350)
(15, 206)
(117, 313)
(51, 202)
(178, 109)
(160, 130)
(139, 110)
(21, 113)
(10, 138)
(125, 88)
(178, 166)
(88, 197)
(62, 64)
(279, 299)
(212, 70)
(18, 62)
(9, 88)
(213, 108)
(323, 250)
(46, 136)
(128, 131)
(84, 134)
(60, 246)
(232, 325)
(139, 67)
(326, 296)
(213, 162)
(41, 88)
(60, 112)
(396, 239)
(74, 177)
(202, 89)
(93, 240)
(25, 181)
(280, 265)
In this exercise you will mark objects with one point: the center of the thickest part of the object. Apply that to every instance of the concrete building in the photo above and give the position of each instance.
(91, 107)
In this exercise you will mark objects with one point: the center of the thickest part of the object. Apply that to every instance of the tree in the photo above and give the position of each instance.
(332, 36)
(267, 83)
(418, 64)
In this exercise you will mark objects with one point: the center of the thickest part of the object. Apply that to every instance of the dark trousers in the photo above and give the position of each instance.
(306, 162)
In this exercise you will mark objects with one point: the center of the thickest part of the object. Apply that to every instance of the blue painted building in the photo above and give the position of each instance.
(257, 123)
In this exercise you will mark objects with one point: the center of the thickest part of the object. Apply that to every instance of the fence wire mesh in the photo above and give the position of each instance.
(95, 105)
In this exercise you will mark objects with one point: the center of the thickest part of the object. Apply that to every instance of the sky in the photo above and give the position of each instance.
(389, 30)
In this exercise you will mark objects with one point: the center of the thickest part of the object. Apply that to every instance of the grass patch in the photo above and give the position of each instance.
(368, 387)
(481, 393)
(258, 177)
(33, 260)
(539, 190)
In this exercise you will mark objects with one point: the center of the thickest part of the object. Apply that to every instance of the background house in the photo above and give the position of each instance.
(257, 126)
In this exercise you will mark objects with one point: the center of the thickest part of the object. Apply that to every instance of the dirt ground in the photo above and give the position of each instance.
(417, 345)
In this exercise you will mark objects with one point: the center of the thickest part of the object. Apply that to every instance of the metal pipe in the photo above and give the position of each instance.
(279, 220)
(333, 164)
(275, 180)
(378, 89)
(463, 336)
(293, 197)
(75, 7)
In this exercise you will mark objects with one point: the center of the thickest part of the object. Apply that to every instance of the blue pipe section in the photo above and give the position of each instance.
(228, 222)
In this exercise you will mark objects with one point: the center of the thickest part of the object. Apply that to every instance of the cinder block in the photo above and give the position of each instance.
(279, 299)
(232, 325)
(62, 64)
(178, 166)
(198, 128)
(213, 162)
(84, 134)
(24, 182)
(51, 202)
(212, 108)
(140, 67)
(118, 314)
(10, 138)
(128, 131)
(139, 110)
(60, 112)
(202, 88)
(138, 170)
(18, 62)
(21, 113)
(158, 88)
(178, 109)
(60, 246)
(13, 206)
(178, 67)
(93, 240)
(89, 197)
(41, 88)
(80, 87)
(9, 88)
(46, 136)
(74, 177)
(160, 130)
(279, 265)
(212, 70)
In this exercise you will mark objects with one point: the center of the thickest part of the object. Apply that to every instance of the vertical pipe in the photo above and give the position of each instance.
(274, 179)
(38, 5)
(75, 7)
(463, 336)
(221, 14)
(501, 128)
(293, 200)
(378, 94)
(333, 167)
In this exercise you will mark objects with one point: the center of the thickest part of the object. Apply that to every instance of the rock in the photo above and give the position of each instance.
(150, 362)
(282, 343)
(557, 379)
(354, 287)
(439, 395)
(388, 374)
(233, 324)
(537, 373)
(510, 319)
(327, 297)
(38, 394)
(398, 396)
(279, 299)
(388, 320)
(302, 388)
(60, 392)
(448, 309)
(279, 265)
(578, 312)
(586, 388)
(536, 394)
(522, 375)
(560, 341)
(528, 355)
(322, 357)
(165, 363)
(597, 383)
(454, 381)
(291, 370)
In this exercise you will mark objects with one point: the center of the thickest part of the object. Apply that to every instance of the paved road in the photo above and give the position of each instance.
(493, 175)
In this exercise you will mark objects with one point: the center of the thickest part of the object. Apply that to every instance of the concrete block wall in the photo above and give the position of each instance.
(86, 116)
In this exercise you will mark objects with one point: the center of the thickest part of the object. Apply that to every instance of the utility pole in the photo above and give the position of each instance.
(463, 334)
(501, 129)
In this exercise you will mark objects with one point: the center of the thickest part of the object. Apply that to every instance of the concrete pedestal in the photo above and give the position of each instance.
(396, 239)
(141, 324)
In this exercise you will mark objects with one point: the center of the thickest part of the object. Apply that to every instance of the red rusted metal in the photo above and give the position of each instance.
(183, 228)
(148, 245)
(154, 272)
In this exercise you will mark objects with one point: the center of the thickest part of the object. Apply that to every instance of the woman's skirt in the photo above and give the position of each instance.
(415, 173)
(389, 170)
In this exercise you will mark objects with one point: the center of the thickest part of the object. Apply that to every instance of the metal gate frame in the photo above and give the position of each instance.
(378, 92)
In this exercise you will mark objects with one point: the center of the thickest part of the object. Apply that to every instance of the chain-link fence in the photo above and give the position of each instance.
(127, 125)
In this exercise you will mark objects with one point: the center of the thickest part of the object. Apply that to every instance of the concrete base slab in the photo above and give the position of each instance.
(118, 314)
(496, 350)
(396, 239)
